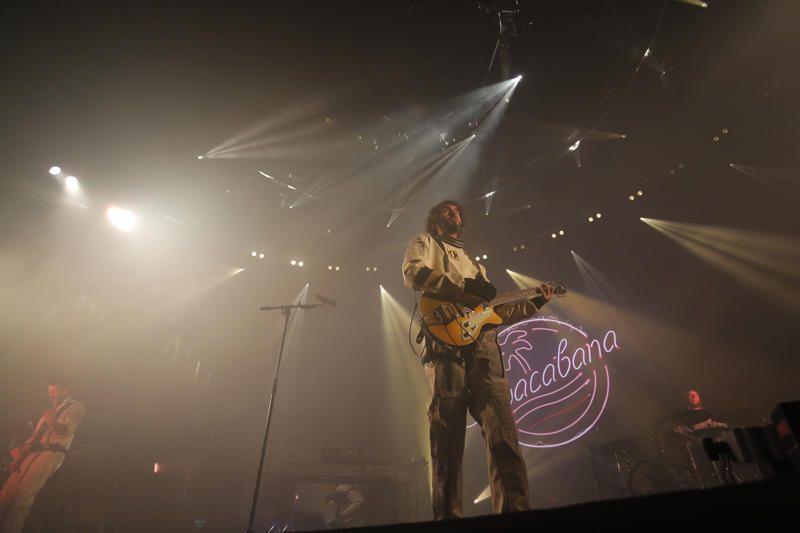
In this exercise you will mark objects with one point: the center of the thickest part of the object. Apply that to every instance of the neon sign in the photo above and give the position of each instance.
(558, 378)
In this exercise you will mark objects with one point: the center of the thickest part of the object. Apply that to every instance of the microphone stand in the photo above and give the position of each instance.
(286, 310)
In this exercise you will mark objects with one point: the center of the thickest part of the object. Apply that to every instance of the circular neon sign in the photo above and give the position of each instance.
(558, 377)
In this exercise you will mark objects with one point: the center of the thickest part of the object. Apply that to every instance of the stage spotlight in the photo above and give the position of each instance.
(253, 254)
(514, 249)
(477, 258)
(330, 267)
(55, 171)
(554, 235)
(293, 262)
(598, 215)
(485, 256)
(374, 269)
(631, 197)
(199, 157)
(261, 256)
(561, 232)
(575, 146)
(639, 193)
(300, 263)
(337, 268)
(71, 184)
(121, 218)
(367, 269)
(591, 219)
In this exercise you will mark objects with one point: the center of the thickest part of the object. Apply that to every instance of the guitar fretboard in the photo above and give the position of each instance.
(515, 296)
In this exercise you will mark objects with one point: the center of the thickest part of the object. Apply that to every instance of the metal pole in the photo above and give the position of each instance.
(287, 311)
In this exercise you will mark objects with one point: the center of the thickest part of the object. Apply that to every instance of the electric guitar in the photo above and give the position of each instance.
(459, 324)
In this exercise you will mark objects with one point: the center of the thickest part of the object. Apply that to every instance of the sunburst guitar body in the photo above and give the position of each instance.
(458, 324)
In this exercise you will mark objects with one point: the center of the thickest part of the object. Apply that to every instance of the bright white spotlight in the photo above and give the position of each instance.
(489, 194)
(575, 146)
(199, 157)
(591, 219)
(121, 218)
(253, 253)
(300, 263)
(599, 215)
(330, 267)
(293, 262)
(261, 256)
(485, 256)
(554, 235)
(71, 184)
(477, 258)
(55, 171)
(561, 232)
(337, 267)
(639, 193)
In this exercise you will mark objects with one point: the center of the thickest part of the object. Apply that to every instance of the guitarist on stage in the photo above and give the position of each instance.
(470, 377)
(38, 458)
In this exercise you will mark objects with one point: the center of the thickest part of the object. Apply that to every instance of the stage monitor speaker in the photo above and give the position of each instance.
(786, 417)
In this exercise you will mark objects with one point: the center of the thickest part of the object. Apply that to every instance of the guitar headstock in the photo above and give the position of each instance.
(558, 288)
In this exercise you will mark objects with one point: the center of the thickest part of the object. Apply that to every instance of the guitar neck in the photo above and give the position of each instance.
(515, 296)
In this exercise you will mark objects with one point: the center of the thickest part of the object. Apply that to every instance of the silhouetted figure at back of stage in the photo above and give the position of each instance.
(694, 418)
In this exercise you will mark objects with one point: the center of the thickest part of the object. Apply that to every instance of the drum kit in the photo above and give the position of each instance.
(665, 461)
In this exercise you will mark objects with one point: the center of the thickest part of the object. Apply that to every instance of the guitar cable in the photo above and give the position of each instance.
(411, 326)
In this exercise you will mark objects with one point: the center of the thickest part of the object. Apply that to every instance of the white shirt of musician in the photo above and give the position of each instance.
(71, 417)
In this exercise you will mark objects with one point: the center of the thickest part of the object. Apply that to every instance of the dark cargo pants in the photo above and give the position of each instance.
(473, 378)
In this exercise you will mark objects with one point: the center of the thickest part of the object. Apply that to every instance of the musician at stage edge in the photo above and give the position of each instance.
(40, 456)
(466, 377)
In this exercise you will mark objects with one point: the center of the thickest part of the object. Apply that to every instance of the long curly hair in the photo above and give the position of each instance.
(433, 215)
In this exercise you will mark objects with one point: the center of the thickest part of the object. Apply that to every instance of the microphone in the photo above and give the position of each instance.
(325, 300)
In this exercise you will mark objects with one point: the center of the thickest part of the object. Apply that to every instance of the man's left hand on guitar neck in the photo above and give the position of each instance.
(546, 294)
